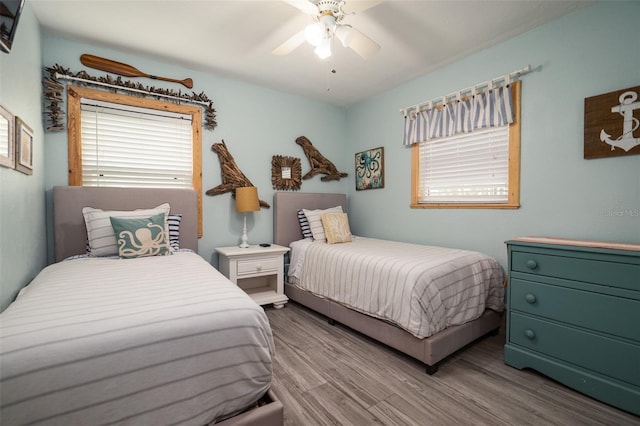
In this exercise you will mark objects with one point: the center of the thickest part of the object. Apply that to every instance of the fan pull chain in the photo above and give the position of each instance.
(326, 78)
(330, 71)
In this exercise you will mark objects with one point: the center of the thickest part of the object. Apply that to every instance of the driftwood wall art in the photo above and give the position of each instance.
(285, 173)
(232, 176)
(53, 89)
(319, 164)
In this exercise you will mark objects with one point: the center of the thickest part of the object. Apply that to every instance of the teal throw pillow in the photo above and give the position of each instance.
(141, 237)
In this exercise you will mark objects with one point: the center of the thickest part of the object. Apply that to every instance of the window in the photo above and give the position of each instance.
(138, 147)
(480, 169)
(119, 140)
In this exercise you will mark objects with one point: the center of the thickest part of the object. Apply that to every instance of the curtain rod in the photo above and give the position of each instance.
(458, 93)
(98, 83)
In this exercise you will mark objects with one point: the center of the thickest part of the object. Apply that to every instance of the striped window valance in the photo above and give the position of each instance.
(492, 108)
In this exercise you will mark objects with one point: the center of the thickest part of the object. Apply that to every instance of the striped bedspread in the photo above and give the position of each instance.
(422, 289)
(148, 341)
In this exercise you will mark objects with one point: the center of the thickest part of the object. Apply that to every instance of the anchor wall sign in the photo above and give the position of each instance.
(612, 124)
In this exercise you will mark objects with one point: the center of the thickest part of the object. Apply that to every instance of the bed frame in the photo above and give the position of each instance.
(431, 350)
(71, 237)
(70, 232)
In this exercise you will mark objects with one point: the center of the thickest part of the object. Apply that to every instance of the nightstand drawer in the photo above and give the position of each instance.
(591, 351)
(259, 265)
(622, 275)
(608, 314)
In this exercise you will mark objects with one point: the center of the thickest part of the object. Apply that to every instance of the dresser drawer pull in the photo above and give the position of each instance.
(530, 334)
(258, 267)
(530, 298)
(532, 264)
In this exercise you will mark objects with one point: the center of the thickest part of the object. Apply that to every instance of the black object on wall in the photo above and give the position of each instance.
(10, 11)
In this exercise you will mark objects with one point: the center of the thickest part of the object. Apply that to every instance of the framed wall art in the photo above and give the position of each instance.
(7, 135)
(286, 173)
(612, 124)
(24, 147)
(370, 169)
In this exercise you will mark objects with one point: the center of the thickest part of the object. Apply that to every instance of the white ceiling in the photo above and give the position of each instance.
(235, 38)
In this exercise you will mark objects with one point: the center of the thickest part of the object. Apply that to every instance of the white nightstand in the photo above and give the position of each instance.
(259, 271)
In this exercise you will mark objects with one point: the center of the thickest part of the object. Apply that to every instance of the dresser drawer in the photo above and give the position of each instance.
(622, 275)
(607, 314)
(605, 355)
(258, 265)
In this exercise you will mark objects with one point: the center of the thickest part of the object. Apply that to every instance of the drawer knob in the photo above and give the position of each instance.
(530, 334)
(532, 264)
(259, 267)
(530, 298)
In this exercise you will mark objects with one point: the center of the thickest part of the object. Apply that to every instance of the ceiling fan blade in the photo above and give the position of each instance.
(360, 43)
(290, 45)
(357, 6)
(304, 5)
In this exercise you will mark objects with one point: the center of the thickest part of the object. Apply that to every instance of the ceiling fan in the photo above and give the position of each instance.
(327, 16)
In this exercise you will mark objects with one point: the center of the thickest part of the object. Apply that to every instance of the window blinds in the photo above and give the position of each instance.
(135, 147)
(467, 168)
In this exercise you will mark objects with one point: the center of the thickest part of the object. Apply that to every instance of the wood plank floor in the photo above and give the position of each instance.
(331, 375)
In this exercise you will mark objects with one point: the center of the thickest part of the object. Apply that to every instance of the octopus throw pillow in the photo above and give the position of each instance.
(141, 237)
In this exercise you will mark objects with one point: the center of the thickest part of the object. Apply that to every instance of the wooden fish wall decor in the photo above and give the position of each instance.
(232, 176)
(319, 164)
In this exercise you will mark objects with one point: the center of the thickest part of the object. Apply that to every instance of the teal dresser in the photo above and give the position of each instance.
(573, 314)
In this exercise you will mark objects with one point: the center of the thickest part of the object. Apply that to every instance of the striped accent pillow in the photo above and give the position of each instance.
(304, 225)
(315, 222)
(173, 220)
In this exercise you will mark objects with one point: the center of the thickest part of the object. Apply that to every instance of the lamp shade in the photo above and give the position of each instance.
(247, 199)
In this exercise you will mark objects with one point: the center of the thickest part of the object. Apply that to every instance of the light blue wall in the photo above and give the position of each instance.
(590, 52)
(22, 207)
(255, 123)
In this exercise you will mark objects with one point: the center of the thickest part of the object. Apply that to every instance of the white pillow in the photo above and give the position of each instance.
(100, 235)
(315, 221)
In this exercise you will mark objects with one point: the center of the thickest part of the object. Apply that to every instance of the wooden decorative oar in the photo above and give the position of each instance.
(119, 68)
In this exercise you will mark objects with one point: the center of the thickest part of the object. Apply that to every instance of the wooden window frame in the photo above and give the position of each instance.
(74, 135)
(513, 198)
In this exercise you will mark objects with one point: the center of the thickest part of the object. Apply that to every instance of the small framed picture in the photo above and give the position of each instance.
(7, 135)
(24, 147)
(286, 173)
(370, 169)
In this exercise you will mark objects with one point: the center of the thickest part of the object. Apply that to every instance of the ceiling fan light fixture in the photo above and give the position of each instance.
(327, 16)
(344, 34)
(324, 48)
(313, 33)
(327, 19)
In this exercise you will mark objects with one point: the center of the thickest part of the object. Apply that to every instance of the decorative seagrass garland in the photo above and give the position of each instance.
(54, 88)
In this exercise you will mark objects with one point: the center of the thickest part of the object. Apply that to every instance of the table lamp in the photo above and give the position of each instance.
(246, 201)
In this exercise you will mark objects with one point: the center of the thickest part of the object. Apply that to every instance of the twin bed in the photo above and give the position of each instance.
(424, 301)
(153, 340)
(169, 340)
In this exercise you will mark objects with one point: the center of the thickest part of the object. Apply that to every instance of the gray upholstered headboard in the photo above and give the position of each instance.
(70, 232)
(285, 212)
